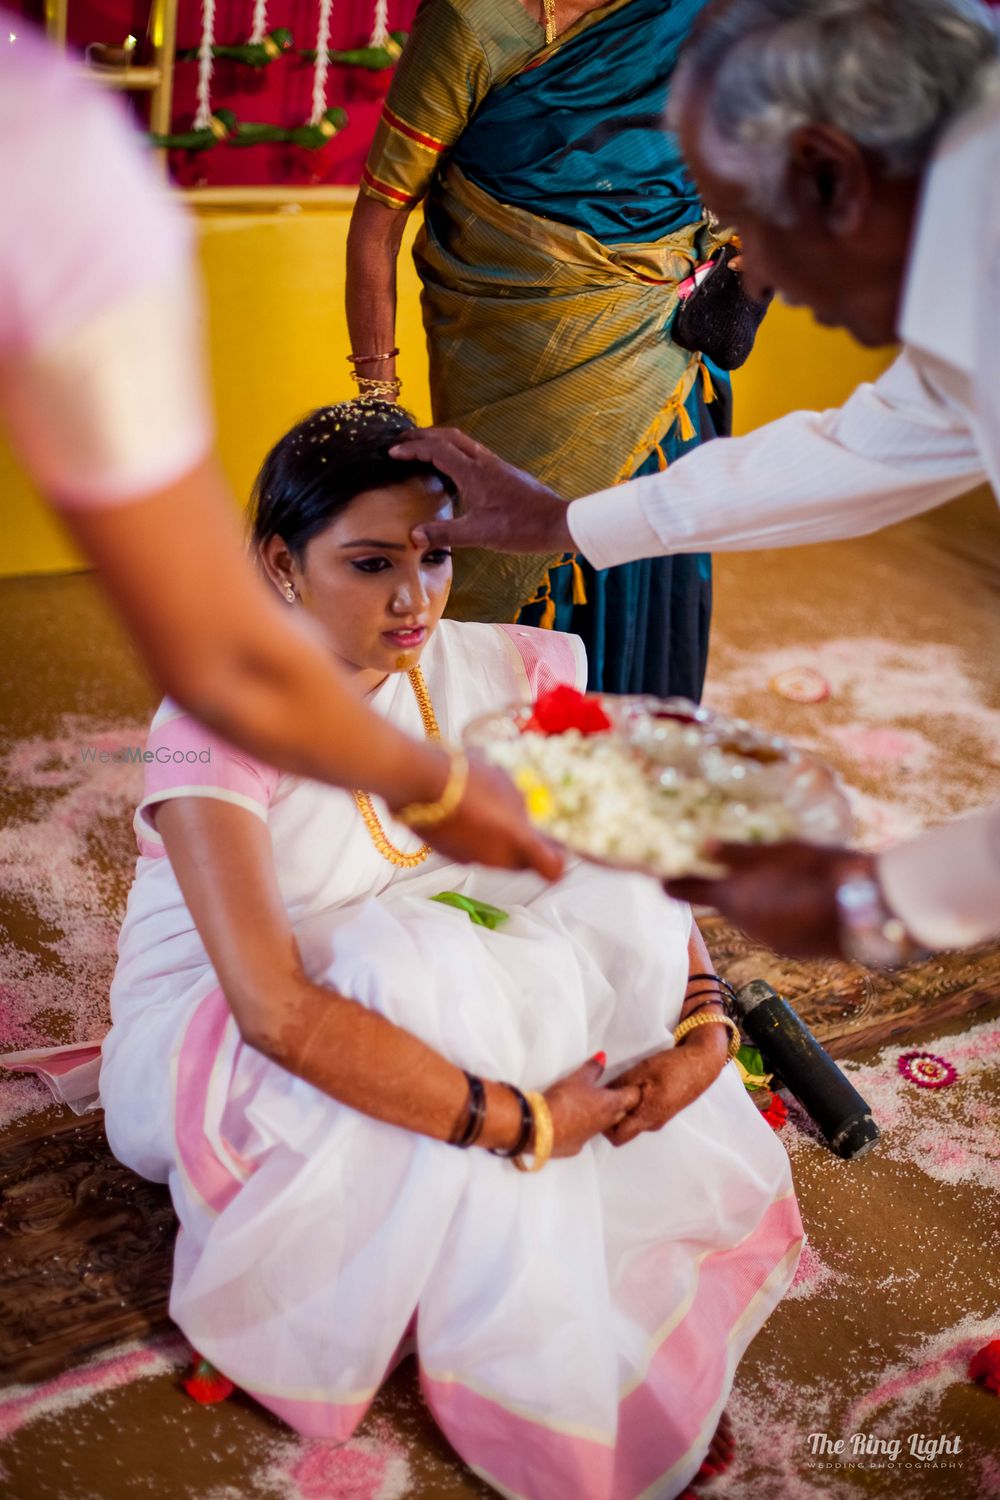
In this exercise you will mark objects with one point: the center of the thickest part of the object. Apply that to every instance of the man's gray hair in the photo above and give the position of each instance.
(890, 74)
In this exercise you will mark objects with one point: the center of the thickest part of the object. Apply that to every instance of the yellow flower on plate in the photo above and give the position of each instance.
(537, 797)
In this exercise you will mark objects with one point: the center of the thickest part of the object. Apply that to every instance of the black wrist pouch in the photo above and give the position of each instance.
(715, 316)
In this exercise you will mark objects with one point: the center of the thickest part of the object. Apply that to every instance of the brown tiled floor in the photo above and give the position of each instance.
(930, 581)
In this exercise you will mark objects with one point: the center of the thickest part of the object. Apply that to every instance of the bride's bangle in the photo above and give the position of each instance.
(688, 1025)
(543, 1135)
(527, 1126)
(428, 814)
(702, 1005)
(727, 993)
(470, 1127)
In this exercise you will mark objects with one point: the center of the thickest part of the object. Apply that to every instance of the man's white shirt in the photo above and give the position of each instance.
(926, 431)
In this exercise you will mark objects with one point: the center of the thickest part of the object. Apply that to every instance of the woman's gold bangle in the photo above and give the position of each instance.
(543, 1138)
(380, 390)
(371, 359)
(427, 814)
(703, 1019)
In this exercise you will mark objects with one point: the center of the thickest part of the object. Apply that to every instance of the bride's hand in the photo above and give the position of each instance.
(581, 1108)
(670, 1081)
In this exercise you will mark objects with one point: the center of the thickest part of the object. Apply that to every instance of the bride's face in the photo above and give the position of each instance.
(377, 596)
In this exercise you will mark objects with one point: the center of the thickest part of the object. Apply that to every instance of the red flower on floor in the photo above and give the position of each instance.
(207, 1384)
(776, 1112)
(984, 1367)
(564, 708)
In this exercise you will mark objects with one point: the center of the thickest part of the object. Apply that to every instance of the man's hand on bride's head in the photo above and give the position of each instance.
(503, 508)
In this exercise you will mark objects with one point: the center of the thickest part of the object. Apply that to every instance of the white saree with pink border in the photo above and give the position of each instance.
(577, 1331)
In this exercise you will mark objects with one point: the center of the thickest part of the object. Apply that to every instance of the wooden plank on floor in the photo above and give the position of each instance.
(86, 1249)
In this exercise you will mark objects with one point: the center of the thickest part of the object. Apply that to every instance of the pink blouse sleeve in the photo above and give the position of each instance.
(101, 381)
(184, 759)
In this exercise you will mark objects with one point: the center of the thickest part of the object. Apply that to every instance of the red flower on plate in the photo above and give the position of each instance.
(776, 1112)
(207, 1384)
(564, 708)
(984, 1366)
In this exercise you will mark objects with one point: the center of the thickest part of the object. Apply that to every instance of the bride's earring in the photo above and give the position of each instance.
(289, 593)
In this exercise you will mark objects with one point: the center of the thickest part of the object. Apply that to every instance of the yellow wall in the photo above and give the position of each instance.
(274, 278)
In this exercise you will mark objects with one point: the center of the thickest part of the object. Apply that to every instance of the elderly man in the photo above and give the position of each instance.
(855, 144)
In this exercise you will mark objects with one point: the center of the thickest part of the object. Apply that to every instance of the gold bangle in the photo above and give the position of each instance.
(379, 390)
(689, 1024)
(543, 1137)
(371, 359)
(427, 814)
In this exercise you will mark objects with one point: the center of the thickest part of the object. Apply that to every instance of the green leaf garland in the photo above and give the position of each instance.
(375, 59)
(254, 54)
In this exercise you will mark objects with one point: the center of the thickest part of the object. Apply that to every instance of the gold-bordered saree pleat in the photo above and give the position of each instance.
(553, 350)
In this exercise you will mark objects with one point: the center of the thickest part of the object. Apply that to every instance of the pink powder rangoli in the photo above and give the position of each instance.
(927, 1070)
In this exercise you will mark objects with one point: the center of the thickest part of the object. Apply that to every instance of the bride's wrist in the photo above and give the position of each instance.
(494, 1116)
(503, 1123)
(709, 1043)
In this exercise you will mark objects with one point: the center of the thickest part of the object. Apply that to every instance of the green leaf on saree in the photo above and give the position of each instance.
(479, 912)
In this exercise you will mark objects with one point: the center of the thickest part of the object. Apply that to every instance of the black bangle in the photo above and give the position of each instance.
(480, 1115)
(475, 1114)
(527, 1126)
(715, 997)
(723, 984)
(712, 979)
(716, 1000)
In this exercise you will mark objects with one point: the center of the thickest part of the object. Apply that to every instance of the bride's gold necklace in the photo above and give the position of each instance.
(366, 809)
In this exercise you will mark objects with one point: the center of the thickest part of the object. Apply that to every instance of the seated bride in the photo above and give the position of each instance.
(460, 1126)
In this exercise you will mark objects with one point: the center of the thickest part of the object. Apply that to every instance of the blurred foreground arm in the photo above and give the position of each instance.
(943, 887)
(104, 397)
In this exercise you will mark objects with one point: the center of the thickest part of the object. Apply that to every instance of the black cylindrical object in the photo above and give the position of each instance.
(789, 1049)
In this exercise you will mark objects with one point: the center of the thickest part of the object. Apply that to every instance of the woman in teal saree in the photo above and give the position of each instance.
(558, 222)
